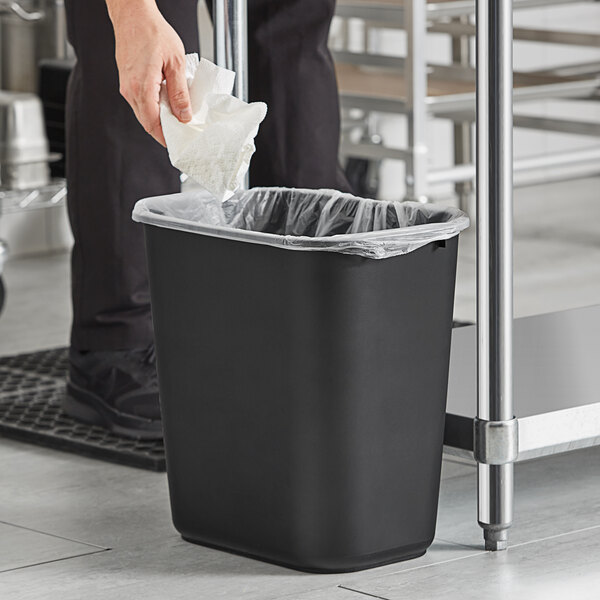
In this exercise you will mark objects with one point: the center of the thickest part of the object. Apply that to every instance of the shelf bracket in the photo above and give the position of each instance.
(495, 442)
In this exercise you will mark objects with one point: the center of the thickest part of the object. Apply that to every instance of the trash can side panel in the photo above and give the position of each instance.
(242, 347)
(281, 442)
(220, 354)
(389, 369)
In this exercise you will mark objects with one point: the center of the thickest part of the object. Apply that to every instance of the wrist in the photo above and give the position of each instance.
(123, 11)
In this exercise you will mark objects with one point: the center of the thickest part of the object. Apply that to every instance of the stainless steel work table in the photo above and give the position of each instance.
(556, 384)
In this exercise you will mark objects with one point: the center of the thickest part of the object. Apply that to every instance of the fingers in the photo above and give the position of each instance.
(143, 93)
(157, 133)
(145, 101)
(148, 106)
(177, 89)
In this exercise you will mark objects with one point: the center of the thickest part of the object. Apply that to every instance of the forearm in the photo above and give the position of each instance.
(129, 10)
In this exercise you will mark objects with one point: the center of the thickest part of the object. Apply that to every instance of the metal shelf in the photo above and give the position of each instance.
(556, 384)
(391, 12)
(408, 85)
(367, 87)
(524, 34)
(53, 194)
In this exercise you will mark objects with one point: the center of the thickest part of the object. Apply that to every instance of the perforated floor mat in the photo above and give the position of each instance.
(31, 390)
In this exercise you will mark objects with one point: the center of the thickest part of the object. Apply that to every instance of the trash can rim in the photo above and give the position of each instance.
(370, 243)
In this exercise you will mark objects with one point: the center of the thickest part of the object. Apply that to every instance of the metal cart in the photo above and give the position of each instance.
(408, 85)
(12, 201)
(29, 32)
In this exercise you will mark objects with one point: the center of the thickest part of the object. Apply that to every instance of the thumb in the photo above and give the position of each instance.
(178, 92)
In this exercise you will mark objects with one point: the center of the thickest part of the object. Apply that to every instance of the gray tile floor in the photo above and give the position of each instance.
(73, 528)
(114, 524)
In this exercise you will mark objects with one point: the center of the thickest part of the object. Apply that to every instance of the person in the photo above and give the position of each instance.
(125, 49)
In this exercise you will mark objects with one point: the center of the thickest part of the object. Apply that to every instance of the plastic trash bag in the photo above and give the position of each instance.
(299, 219)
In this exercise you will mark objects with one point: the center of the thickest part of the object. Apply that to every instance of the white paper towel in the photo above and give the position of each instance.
(216, 146)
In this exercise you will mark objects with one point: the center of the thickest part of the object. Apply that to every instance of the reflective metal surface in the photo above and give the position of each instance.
(23, 144)
(231, 44)
(495, 442)
(30, 31)
(3, 254)
(556, 383)
(463, 146)
(494, 254)
(560, 162)
(415, 70)
(231, 41)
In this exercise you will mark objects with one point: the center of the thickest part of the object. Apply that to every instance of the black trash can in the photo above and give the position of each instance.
(303, 366)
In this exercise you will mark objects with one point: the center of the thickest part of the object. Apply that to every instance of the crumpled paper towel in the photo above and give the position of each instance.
(216, 146)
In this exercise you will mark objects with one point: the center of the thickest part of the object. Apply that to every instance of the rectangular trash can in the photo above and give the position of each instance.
(303, 367)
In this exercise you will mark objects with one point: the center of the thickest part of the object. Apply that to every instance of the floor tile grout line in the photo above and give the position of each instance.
(415, 568)
(553, 537)
(480, 552)
(527, 542)
(465, 557)
(348, 589)
(49, 562)
(54, 535)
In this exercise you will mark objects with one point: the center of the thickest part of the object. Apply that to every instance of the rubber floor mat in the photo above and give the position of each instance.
(31, 390)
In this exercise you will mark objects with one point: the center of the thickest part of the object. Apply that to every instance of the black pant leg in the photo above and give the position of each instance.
(111, 163)
(291, 69)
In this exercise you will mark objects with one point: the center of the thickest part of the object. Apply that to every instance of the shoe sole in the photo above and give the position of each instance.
(89, 408)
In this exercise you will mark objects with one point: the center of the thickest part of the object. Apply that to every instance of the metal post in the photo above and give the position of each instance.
(231, 41)
(230, 21)
(463, 147)
(416, 96)
(60, 29)
(495, 428)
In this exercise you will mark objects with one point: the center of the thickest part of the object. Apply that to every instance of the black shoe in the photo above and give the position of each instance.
(116, 390)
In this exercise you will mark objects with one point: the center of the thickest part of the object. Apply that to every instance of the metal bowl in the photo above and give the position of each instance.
(24, 153)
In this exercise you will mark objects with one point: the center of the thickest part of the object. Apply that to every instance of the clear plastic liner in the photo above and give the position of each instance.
(299, 219)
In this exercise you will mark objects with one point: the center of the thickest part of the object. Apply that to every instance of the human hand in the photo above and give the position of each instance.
(149, 51)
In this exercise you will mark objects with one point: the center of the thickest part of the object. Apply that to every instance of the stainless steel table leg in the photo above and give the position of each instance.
(231, 41)
(230, 20)
(416, 96)
(495, 428)
(463, 146)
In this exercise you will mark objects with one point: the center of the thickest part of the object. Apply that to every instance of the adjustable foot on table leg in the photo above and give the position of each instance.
(495, 539)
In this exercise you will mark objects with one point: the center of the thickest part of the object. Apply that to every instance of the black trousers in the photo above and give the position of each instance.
(112, 162)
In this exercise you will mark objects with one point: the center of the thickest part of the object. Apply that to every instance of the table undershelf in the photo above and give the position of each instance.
(556, 384)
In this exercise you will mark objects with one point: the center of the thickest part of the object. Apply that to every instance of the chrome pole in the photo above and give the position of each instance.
(415, 72)
(231, 41)
(230, 21)
(495, 428)
(463, 145)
